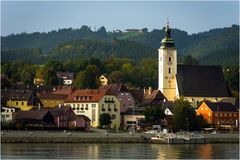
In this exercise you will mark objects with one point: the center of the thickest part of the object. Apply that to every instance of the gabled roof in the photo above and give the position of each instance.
(153, 97)
(52, 96)
(114, 89)
(34, 100)
(137, 94)
(58, 111)
(66, 90)
(86, 95)
(169, 105)
(31, 114)
(147, 97)
(21, 95)
(221, 107)
(201, 81)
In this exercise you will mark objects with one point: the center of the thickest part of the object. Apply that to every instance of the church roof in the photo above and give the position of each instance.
(221, 107)
(201, 81)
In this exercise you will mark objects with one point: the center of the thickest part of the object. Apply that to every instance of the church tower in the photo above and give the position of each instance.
(167, 66)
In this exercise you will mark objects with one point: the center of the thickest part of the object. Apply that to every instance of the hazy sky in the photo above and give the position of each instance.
(44, 16)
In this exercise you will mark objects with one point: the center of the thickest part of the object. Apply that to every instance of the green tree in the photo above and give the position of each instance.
(190, 60)
(153, 114)
(184, 116)
(105, 120)
(231, 74)
(117, 77)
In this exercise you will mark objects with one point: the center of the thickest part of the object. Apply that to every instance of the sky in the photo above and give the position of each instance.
(44, 16)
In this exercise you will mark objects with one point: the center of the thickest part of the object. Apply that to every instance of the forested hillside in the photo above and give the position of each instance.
(217, 46)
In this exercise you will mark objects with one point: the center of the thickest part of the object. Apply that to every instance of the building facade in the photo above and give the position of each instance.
(94, 102)
(218, 113)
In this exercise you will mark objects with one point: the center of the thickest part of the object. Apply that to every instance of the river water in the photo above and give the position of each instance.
(119, 151)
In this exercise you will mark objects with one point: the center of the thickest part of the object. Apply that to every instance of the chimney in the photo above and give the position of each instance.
(150, 90)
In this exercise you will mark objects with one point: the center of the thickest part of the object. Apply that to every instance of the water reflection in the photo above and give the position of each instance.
(119, 151)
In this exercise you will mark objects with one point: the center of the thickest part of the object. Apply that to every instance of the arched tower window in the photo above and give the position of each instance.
(169, 59)
(169, 70)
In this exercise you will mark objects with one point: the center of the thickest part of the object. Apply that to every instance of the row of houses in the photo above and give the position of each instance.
(125, 106)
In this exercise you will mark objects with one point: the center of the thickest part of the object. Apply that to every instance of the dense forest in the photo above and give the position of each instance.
(217, 46)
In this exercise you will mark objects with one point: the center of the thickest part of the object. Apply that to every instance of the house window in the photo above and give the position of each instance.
(230, 114)
(93, 105)
(221, 115)
(22, 103)
(16, 103)
(169, 70)
(169, 59)
(209, 114)
(86, 107)
(113, 116)
(225, 114)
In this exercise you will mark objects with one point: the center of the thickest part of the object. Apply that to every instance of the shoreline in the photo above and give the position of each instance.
(96, 137)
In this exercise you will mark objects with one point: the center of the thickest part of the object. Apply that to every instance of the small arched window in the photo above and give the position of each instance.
(169, 70)
(169, 59)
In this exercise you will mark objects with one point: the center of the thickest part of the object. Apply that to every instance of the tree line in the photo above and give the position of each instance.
(88, 70)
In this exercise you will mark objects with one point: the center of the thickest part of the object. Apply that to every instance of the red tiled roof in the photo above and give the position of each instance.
(52, 96)
(86, 95)
(64, 90)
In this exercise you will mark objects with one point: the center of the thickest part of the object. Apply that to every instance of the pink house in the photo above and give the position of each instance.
(79, 121)
(61, 116)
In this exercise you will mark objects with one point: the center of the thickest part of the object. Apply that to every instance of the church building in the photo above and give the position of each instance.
(193, 82)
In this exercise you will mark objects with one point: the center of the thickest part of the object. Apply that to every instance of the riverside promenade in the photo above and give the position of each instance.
(97, 136)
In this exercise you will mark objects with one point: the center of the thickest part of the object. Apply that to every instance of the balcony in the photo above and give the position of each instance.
(109, 101)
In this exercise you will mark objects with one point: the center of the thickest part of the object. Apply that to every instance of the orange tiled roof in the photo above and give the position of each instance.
(86, 95)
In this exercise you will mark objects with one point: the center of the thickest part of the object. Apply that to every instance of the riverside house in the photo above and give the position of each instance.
(123, 95)
(219, 113)
(61, 116)
(79, 121)
(94, 102)
(22, 99)
(36, 118)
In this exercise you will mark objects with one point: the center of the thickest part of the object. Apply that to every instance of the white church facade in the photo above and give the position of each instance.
(193, 82)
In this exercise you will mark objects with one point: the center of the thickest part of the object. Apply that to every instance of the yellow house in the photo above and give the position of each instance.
(94, 102)
(52, 100)
(104, 80)
(22, 99)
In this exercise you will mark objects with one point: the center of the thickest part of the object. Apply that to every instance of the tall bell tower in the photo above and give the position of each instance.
(167, 66)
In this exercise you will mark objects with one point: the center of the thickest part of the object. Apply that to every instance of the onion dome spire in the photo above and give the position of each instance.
(167, 41)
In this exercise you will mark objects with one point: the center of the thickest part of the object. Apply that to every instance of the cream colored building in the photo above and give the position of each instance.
(193, 82)
(94, 102)
(104, 80)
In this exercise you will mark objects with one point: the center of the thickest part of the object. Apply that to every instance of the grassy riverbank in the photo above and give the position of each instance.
(95, 137)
